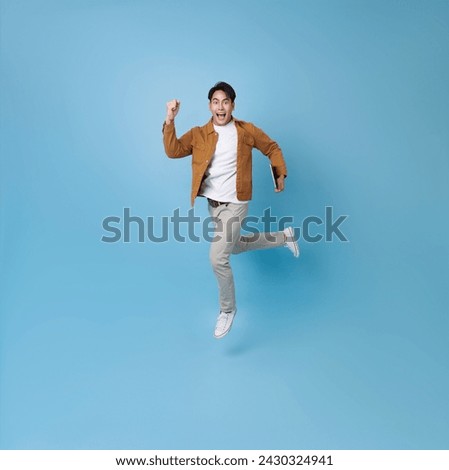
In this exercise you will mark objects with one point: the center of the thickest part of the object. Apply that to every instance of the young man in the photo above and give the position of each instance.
(222, 172)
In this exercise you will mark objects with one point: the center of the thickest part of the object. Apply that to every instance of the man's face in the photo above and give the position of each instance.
(221, 108)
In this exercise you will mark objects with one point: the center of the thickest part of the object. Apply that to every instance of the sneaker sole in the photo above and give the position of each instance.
(295, 243)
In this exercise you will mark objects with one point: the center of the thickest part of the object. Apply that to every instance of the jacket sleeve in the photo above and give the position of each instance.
(174, 147)
(271, 149)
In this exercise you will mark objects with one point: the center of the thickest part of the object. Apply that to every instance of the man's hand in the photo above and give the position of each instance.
(280, 184)
(172, 110)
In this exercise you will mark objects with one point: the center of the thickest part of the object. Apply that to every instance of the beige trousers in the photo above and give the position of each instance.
(227, 240)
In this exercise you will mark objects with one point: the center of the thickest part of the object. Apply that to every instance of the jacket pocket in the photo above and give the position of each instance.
(248, 140)
(198, 145)
(199, 159)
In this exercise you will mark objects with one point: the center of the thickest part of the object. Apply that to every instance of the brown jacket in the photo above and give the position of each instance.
(200, 142)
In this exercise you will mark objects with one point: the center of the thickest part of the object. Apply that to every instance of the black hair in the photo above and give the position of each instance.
(225, 87)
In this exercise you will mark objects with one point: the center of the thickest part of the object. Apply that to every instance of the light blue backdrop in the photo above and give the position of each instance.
(109, 345)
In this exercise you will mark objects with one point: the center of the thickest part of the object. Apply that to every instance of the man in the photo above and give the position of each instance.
(222, 172)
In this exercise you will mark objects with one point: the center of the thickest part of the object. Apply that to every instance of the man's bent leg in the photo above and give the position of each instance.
(259, 241)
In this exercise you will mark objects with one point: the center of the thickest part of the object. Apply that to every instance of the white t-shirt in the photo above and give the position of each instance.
(220, 178)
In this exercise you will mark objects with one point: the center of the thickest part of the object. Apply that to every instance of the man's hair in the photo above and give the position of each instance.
(225, 87)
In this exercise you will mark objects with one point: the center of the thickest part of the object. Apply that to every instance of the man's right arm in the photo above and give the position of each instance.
(174, 147)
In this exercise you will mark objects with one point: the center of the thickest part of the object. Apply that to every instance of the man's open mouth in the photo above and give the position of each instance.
(221, 116)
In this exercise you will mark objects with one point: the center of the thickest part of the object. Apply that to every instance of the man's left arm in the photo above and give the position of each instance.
(271, 149)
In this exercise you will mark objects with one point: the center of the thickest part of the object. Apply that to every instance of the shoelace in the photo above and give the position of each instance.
(222, 320)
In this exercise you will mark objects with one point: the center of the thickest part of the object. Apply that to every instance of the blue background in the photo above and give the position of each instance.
(109, 345)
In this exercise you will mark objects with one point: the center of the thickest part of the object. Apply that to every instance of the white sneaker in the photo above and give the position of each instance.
(290, 241)
(224, 323)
